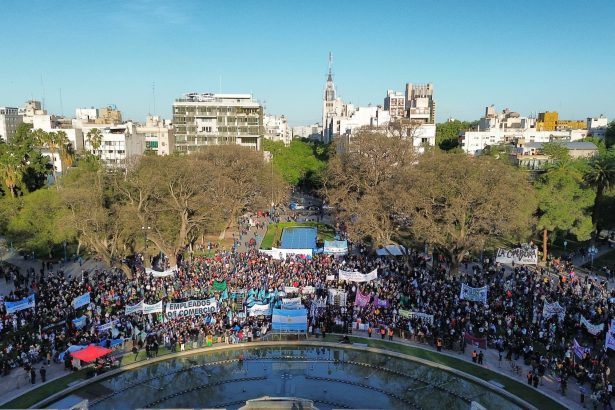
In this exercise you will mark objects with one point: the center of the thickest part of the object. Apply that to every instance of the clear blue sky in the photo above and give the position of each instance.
(529, 56)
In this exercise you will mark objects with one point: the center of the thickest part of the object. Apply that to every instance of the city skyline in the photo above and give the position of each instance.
(537, 57)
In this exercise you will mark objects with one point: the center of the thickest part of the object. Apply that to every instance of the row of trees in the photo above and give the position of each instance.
(181, 200)
(301, 163)
(456, 203)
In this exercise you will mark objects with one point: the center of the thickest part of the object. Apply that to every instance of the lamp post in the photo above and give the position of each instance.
(593, 251)
(145, 229)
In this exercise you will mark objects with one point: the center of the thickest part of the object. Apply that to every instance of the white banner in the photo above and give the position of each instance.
(609, 343)
(330, 277)
(308, 290)
(591, 328)
(291, 289)
(526, 255)
(337, 297)
(277, 253)
(553, 309)
(155, 308)
(107, 326)
(354, 276)
(260, 310)
(419, 315)
(191, 308)
(159, 274)
(294, 303)
(23, 304)
(129, 310)
(474, 294)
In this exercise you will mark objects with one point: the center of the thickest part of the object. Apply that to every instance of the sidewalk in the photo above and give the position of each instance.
(18, 381)
(548, 384)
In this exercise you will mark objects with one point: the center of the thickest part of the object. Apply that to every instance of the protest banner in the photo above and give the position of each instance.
(474, 294)
(107, 326)
(609, 342)
(308, 290)
(480, 342)
(23, 304)
(320, 302)
(354, 276)
(525, 255)
(338, 248)
(161, 274)
(330, 277)
(294, 303)
(591, 328)
(337, 297)
(381, 302)
(260, 310)
(361, 299)
(155, 308)
(291, 289)
(289, 320)
(418, 315)
(191, 308)
(138, 308)
(552, 309)
(81, 300)
(579, 350)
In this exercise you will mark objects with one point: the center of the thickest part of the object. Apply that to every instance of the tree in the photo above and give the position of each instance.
(563, 203)
(609, 136)
(557, 152)
(301, 163)
(94, 138)
(67, 152)
(459, 203)
(52, 141)
(447, 133)
(600, 175)
(360, 184)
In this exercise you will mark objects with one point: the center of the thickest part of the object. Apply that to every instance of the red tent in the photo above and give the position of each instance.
(90, 353)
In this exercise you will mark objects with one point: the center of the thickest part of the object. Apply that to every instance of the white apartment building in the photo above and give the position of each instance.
(420, 105)
(395, 103)
(9, 121)
(158, 135)
(509, 127)
(596, 126)
(51, 123)
(86, 114)
(30, 109)
(312, 132)
(206, 119)
(276, 128)
(119, 144)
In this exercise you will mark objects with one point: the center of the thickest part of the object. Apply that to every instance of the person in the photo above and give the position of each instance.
(382, 333)
(370, 330)
(500, 355)
(135, 350)
(530, 377)
(439, 345)
(481, 356)
(474, 356)
(390, 333)
(43, 373)
(536, 380)
(32, 375)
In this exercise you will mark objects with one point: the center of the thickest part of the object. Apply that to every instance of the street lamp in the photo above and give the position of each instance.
(593, 251)
(145, 229)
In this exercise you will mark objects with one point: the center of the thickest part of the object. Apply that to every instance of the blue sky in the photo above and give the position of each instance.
(529, 56)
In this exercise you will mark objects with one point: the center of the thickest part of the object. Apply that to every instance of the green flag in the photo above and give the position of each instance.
(219, 286)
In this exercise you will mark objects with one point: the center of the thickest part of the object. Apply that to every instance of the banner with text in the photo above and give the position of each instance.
(553, 309)
(129, 310)
(161, 274)
(361, 299)
(591, 328)
(260, 310)
(155, 308)
(354, 276)
(191, 308)
(609, 342)
(580, 350)
(525, 255)
(480, 342)
(474, 294)
(294, 303)
(23, 304)
(419, 315)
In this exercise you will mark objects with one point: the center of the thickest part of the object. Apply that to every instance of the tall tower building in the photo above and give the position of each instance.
(331, 104)
(420, 105)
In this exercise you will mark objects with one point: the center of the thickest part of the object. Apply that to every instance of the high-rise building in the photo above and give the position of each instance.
(9, 121)
(214, 119)
(108, 115)
(420, 105)
(395, 103)
(276, 128)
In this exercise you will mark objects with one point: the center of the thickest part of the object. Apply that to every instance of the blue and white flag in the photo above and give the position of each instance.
(258, 310)
(155, 308)
(474, 294)
(23, 304)
(79, 323)
(129, 310)
(107, 326)
(81, 300)
(289, 320)
(294, 303)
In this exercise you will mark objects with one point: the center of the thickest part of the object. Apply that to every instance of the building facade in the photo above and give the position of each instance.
(395, 103)
(119, 144)
(420, 104)
(108, 115)
(312, 132)
(158, 135)
(9, 121)
(596, 126)
(276, 128)
(206, 119)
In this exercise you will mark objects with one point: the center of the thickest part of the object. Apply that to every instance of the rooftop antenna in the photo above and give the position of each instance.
(220, 84)
(43, 90)
(330, 75)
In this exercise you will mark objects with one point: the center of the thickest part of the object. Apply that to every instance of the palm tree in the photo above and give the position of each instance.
(50, 141)
(600, 174)
(94, 137)
(66, 151)
(11, 171)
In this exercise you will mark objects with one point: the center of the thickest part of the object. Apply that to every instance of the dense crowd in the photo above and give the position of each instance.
(511, 321)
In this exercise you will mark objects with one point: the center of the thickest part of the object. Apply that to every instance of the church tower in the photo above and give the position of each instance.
(329, 104)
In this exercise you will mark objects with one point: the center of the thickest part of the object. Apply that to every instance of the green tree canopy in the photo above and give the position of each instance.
(447, 133)
(301, 163)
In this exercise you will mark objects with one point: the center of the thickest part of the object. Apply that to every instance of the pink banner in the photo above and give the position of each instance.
(361, 299)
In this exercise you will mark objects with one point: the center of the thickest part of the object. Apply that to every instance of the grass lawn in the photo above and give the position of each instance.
(274, 232)
(517, 388)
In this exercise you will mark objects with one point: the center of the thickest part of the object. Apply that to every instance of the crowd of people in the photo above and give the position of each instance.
(511, 321)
